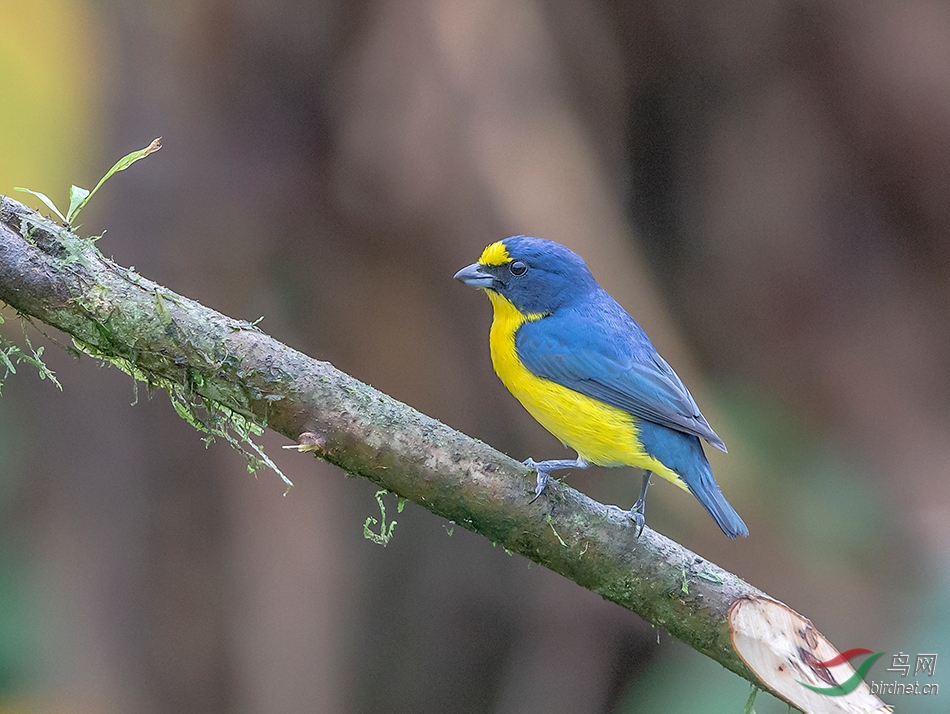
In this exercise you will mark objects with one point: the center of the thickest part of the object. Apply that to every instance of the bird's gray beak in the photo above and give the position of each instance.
(476, 277)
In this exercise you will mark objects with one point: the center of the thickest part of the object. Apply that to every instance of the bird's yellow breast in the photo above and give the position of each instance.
(600, 433)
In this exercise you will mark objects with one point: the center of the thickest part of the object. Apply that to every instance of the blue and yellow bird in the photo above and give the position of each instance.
(588, 372)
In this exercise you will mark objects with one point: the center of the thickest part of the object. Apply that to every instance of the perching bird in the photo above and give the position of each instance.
(588, 372)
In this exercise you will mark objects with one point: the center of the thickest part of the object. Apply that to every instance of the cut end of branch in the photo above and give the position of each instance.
(786, 652)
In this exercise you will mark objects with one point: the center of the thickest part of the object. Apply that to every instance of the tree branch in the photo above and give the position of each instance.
(156, 335)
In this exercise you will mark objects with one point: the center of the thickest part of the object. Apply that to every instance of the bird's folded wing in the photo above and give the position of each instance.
(617, 365)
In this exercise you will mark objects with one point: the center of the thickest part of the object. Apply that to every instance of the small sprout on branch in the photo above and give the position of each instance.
(79, 197)
(385, 531)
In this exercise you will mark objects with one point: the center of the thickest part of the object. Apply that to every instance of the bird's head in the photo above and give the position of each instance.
(537, 276)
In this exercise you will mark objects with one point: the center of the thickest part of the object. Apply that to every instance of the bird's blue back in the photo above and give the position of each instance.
(592, 345)
(572, 333)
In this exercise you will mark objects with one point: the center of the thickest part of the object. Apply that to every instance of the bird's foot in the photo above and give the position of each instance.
(543, 477)
(638, 512)
(636, 515)
(544, 469)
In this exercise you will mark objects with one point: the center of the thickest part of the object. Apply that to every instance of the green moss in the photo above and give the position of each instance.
(206, 415)
(385, 533)
(12, 355)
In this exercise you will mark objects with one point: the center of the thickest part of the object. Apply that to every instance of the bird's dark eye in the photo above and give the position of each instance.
(518, 267)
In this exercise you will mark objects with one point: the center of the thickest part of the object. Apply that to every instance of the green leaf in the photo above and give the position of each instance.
(77, 197)
(44, 198)
(5, 360)
(120, 165)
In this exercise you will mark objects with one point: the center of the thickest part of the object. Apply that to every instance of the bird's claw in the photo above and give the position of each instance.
(639, 519)
(544, 469)
(636, 515)
(542, 481)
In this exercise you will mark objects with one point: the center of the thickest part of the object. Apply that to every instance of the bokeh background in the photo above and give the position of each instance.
(763, 184)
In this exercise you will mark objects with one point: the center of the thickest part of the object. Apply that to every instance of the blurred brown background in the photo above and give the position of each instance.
(763, 184)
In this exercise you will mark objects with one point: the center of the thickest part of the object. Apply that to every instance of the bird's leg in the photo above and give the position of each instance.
(544, 469)
(639, 508)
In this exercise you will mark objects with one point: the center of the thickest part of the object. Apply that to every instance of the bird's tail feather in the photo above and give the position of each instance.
(707, 493)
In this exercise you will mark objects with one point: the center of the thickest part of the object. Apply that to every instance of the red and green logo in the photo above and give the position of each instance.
(849, 685)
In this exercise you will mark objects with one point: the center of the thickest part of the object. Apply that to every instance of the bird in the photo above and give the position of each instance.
(585, 369)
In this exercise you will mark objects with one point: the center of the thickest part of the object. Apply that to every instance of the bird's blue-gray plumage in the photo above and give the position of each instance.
(580, 338)
(594, 347)
(683, 453)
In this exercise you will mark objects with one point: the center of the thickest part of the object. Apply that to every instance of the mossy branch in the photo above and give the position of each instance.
(166, 339)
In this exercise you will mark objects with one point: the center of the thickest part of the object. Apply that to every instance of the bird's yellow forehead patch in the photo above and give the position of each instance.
(495, 254)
